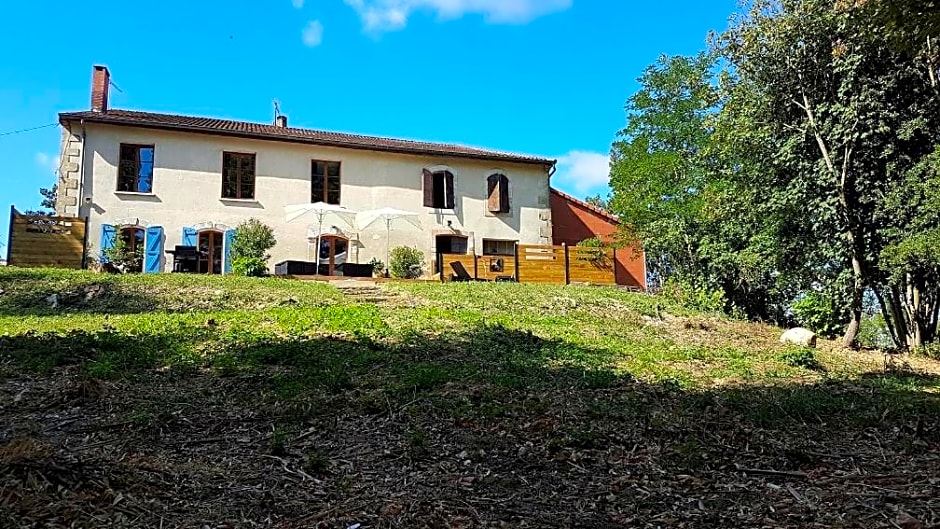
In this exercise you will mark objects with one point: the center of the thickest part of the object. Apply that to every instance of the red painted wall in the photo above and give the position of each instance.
(573, 221)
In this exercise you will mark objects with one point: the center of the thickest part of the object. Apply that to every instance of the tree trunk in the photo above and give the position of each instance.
(850, 339)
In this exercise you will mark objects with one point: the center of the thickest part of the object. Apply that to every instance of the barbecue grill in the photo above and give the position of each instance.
(185, 259)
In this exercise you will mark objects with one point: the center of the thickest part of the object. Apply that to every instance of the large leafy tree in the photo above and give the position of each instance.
(669, 177)
(838, 120)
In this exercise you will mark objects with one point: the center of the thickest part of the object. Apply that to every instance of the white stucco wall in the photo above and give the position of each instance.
(187, 187)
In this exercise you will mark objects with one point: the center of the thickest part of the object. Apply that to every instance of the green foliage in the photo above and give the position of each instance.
(695, 297)
(47, 206)
(249, 266)
(406, 262)
(801, 357)
(253, 239)
(820, 313)
(123, 258)
(598, 201)
(378, 267)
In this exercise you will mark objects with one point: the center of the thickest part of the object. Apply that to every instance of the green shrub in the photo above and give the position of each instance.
(253, 238)
(696, 297)
(819, 313)
(801, 357)
(249, 266)
(250, 246)
(406, 262)
(378, 267)
(123, 258)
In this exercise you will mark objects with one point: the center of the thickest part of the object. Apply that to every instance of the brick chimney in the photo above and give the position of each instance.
(281, 121)
(100, 82)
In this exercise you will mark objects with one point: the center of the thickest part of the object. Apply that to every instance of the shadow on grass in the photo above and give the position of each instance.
(488, 370)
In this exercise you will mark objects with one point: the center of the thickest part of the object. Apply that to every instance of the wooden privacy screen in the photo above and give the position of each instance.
(537, 264)
(591, 265)
(37, 240)
(542, 264)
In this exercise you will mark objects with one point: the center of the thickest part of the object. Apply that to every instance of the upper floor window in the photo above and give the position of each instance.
(439, 189)
(497, 193)
(238, 175)
(135, 168)
(324, 180)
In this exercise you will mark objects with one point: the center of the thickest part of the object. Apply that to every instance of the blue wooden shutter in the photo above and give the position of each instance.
(229, 236)
(190, 237)
(108, 235)
(153, 253)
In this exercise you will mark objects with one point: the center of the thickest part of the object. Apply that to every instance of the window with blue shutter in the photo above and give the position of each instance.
(227, 251)
(190, 236)
(153, 251)
(108, 235)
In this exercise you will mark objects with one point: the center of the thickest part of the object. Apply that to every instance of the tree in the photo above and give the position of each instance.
(836, 119)
(669, 180)
(48, 201)
(598, 202)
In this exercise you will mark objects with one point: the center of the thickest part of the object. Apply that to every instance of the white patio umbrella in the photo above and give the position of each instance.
(321, 210)
(366, 219)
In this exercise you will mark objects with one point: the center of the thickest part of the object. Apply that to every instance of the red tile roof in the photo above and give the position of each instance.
(590, 207)
(244, 129)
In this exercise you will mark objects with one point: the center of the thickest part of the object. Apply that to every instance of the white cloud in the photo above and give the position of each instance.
(583, 172)
(298, 3)
(390, 15)
(313, 34)
(47, 161)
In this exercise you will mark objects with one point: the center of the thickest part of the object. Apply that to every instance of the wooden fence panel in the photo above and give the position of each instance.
(37, 241)
(541, 264)
(488, 266)
(591, 265)
(447, 268)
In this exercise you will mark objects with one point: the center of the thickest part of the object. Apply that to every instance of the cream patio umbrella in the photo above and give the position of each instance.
(366, 219)
(321, 210)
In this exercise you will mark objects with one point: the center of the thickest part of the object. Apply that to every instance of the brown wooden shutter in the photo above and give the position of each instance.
(449, 190)
(493, 198)
(428, 189)
(503, 194)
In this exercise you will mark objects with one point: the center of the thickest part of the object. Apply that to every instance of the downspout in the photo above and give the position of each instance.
(81, 176)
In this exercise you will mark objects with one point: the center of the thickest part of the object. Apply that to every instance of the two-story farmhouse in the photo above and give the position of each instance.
(161, 180)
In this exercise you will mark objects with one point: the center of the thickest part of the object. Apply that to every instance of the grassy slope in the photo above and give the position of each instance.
(490, 357)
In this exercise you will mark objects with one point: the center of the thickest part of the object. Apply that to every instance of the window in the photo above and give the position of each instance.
(499, 247)
(135, 169)
(439, 189)
(497, 193)
(238, 175)
(324, 182)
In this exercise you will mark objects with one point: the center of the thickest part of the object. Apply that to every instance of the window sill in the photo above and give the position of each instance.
(239, 200)
(441, 211)
(134, 194)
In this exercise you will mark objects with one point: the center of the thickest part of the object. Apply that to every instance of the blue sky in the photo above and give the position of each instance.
(547, 77)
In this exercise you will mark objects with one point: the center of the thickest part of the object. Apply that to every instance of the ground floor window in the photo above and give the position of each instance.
(210, 252)
(499, 247)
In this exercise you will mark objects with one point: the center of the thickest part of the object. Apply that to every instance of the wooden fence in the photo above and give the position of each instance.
(536, 264)
(38, 240)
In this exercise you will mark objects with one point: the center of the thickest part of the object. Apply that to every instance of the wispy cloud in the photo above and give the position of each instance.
(298, 3)
(391, 15)
(48, 162)
(583, 172)
(313, 34)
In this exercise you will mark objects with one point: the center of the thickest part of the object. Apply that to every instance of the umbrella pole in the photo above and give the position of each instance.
(319, 231)
(388, 244)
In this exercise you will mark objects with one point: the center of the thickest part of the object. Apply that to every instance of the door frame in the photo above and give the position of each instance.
(331, 265)
(212, 248)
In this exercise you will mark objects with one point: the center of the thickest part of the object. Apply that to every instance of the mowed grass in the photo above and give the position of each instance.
(428, 339)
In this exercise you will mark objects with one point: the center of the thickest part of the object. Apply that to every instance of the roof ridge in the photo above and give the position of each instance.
(227, 126)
